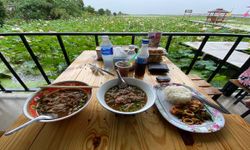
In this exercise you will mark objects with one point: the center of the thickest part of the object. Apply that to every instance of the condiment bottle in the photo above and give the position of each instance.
(131, 53)
(141, 60)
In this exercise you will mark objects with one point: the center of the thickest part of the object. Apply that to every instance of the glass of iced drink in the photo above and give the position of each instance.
(123, 67)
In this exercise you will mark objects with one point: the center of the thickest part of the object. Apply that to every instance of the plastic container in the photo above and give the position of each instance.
(131, 53)
(107, 53)
(141, 60)
(123, 67)
(155, 54)
(119, 54)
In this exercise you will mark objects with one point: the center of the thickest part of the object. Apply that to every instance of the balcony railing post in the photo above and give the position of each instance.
(2, 88)
(168, 43)
(133, 40)
(244, 67)
(13, 72)
(26, 44)
(59, 38)
(96, 40)
(229, 88)
(197, 54)
(169, 35)
(222, 62)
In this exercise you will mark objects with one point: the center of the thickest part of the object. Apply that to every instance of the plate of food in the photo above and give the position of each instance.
(61, 102)
(181, 108)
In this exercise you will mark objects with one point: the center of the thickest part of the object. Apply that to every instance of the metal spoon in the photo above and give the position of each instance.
(121, 82)
(42, 117)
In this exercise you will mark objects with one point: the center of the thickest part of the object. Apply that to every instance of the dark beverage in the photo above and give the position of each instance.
(142, 59)
(123, 67)
(140, 70)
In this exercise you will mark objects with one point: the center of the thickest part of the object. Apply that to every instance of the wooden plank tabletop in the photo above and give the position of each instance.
(220, 49)
(97, 128)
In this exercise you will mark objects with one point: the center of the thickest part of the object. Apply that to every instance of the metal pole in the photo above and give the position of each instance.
(96, 40)
(26, 44)
(133, 40)
(168, 43)
(59, 38)
(2, 88)
(198, 52)
(13, 72)
(225, 59)
(244, 67)
(229, 87)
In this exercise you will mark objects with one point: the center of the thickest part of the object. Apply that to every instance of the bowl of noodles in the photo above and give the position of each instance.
(137, 97)
(60, 102)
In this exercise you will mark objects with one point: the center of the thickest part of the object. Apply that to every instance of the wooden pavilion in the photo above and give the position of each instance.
(217, 15)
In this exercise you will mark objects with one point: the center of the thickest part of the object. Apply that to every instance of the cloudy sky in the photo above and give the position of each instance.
(169, 6)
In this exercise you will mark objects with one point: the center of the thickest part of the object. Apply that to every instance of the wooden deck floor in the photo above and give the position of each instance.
(11, 107)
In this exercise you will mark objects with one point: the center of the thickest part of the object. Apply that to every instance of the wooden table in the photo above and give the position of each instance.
(97, 128)
(220, 49)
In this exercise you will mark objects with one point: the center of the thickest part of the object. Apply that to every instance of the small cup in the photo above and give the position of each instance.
(123, 67)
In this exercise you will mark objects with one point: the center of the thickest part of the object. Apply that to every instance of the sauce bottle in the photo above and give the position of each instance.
(141, 60)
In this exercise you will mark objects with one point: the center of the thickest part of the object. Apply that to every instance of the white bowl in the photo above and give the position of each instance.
(30, 112)
(148, 89)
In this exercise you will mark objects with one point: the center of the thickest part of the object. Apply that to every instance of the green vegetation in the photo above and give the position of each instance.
(2, 14)
(48, 9)
(49, 53)
(44, 9)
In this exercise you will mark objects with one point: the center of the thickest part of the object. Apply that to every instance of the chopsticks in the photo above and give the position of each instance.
(65, 87)
(110, 73)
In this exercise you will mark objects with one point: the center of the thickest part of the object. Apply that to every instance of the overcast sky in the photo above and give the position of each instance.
(169, 6)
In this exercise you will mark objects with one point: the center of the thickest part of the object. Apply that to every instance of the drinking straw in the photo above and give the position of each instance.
(134, 56)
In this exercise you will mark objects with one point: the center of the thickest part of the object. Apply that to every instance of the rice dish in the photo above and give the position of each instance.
(177, 94)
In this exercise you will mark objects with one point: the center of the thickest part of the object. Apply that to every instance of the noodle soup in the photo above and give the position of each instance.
(127, 99)
(62, 102)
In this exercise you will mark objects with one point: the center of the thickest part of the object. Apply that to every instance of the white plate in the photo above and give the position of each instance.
(214, 125)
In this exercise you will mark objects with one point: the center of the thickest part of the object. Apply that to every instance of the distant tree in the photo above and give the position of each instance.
(101, 11)
(34, 9)
(89, 9)
(108, 12)
(67, 7)
(114, 13)
(81, 4)
(46, 9)
(2, 14)
(120, 13)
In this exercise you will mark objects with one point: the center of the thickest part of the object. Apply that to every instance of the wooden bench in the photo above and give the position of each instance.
(243, 92)
(213, 92)
(194, 77)
(240, 96)
(202, 83)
